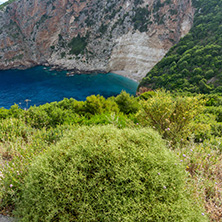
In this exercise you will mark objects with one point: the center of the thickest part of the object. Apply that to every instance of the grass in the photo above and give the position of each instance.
(203, 162)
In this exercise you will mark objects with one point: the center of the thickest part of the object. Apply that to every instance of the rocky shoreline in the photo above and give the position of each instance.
(123, 37)
(75, 71)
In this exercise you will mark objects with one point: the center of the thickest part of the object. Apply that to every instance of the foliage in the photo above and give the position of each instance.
(98, 105)
(106, 174)
(172, 117)
(25, 135)
(3, 113)
(147, 95)
(203, 162)
(77, 45)
(20, 145)
(12, 129)
(48, 115)
(127, 104)
(194, 64)
(141, 19)
(6, 3)
(118, 120)
(217, 111)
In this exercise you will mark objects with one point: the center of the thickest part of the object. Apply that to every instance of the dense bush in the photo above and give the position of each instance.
(106, 174)
(126, 103)
(11, 129)
(98, 104)
(19, 145)
(172, 117)
(217, 111)
(3, 113)
(77, 45)
(118, 120)
(48, 115)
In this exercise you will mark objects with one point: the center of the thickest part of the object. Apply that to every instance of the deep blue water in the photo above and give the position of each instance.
(40, 85)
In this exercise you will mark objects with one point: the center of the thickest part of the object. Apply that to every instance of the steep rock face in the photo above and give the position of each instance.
(124, 36)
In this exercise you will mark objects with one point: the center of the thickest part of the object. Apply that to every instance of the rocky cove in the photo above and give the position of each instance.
(40, 85)
(127, 37)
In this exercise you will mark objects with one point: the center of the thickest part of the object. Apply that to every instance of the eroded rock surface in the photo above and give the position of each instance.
(124, 36)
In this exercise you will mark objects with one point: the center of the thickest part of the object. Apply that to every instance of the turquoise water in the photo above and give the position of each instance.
(40, 85)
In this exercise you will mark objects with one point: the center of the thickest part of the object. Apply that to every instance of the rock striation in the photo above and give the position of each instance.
(127, 37)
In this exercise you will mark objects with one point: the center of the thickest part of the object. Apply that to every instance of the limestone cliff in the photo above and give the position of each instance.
(123, 36)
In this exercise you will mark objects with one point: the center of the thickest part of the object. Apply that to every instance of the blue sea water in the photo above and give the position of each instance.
(40, 85)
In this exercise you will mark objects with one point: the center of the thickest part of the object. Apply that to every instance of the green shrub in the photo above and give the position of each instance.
(202, 127)
(107, 174)
(98, 104)
(126, 103)
(37, 117)
(77, 45)
(147, 95)
(172, 117)
(217, 129)
(15, 111)
(12, 129)
(216, 111)
(47, 115)
(3, 113)
(20, 145)
(72, 104)
(119, 120)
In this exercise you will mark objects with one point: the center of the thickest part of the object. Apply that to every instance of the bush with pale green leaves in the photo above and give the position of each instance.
(107, 174)
(172, 117)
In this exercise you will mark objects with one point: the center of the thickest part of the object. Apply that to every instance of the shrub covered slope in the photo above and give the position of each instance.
(195, 63)
(58, 166)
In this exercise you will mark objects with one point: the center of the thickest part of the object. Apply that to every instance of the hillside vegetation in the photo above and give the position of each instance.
(6, 3)
(195, 63)
(102, 159)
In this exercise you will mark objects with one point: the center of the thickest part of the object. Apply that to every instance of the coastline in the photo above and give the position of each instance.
(74, 71)
(126, 74)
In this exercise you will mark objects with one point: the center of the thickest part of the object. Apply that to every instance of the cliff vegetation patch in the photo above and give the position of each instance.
(6, 3)
(77, 45)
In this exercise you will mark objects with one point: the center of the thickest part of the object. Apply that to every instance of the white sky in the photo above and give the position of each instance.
(2, 1)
